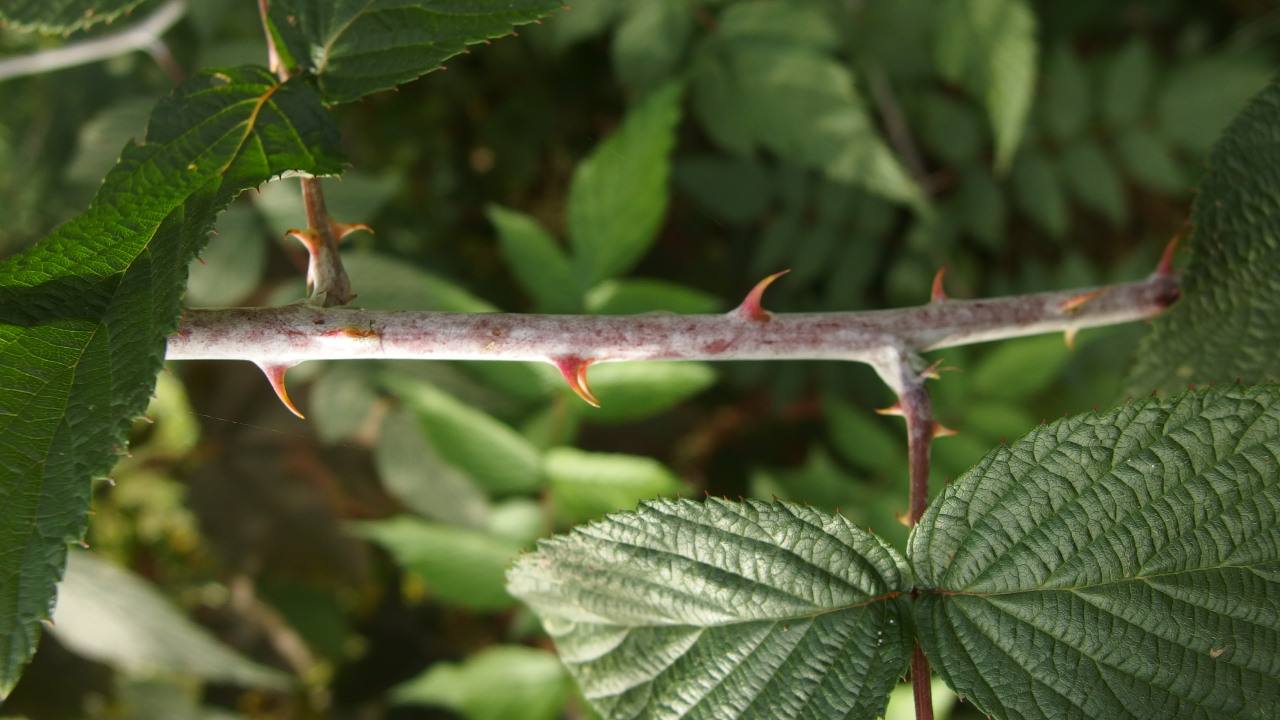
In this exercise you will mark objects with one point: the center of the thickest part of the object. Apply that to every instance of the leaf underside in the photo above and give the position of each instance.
(358, 47)
(85, 313)
(1227, 325)
(751, 610)
(1124, 565)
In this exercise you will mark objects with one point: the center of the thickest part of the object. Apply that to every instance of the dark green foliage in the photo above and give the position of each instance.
(1227, 326)
(86, 312)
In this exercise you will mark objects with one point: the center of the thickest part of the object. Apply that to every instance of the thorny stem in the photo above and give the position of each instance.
(294, 333)
(327, 281)
(889, 340)
(140, 36)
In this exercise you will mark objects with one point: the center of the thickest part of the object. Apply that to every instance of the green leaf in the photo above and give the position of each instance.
(358, 47)
(1151, 161)
(534, 686)
(536, 260)
(1200, 97)
(1017, 368)
(1067, 107)
(1038, 193)
(641, 295)
(1093, 179)
(413, 472)
(459, 565)
(586, 485)
(84, 314)
(485, 448)
(1127, 83)
(799, 103)
(982, 207)
(757, 610)
(62, 16)
(108, 614)
(795, 21)
(730, 189)
(618, 196)
(1227, 324)
(636, 390)
(950, 127)
(1118, 565)
(650, 41)
(989, 46)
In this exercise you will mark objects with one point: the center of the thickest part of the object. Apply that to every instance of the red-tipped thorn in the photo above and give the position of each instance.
(894, 409)
(1073, 304)
(275, 376)
(938, 294)
(940, 430)
(574, 370)
(750, 309)
(1166, 259)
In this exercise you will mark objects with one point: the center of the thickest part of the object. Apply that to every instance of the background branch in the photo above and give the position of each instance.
(143, 35)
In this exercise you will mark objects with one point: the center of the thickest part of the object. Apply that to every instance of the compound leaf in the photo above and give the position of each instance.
(618, 196)
(85, 313)
(358, 47)
(1118, 565)
(1227, 324)
(990, 47)
(738, 609)
(764, 88)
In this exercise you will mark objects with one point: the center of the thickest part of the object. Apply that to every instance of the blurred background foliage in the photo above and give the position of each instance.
(622, 157)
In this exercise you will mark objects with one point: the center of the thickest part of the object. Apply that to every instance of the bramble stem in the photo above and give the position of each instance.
(296, 333)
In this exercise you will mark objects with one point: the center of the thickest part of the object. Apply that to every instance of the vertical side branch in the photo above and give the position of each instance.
(898, 369)
(327, 281)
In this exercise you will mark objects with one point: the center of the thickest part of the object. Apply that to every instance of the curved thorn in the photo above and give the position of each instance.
(750, 309)
(275, 376)
(574, 370)
(340, 229)
(940, 430)
(312, 242)
(938, 294)
(894, 409)
(1073, 304)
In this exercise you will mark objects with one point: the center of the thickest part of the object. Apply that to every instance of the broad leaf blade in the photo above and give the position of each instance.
(798, 102)
(459, 565)
(108, 614)
(748, 610)
(84, 314)
(62, 15)
(618, 196)
(1227, 325)
(358, 47)
(990, 47)
(489, 451)
(1123, 565)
